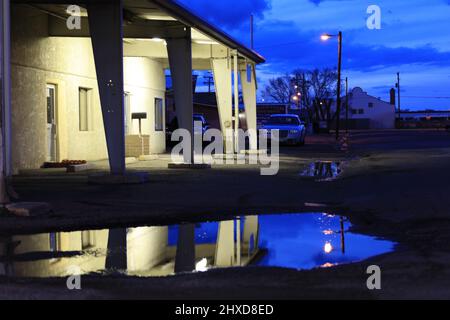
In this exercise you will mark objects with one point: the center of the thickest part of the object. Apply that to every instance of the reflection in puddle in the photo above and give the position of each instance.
(323, 170)
(300, 241)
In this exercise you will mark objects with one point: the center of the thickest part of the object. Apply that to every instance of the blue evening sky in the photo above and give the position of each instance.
(414, 39)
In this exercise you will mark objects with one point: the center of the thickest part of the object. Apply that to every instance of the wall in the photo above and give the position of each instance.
(69, 241)
(146, 247)
(66, 62)
(144, 81)
(381, 115)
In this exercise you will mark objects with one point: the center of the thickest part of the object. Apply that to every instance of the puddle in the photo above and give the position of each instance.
(300, 241)
(323, 170)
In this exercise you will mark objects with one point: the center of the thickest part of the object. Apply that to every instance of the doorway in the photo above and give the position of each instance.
(51, 123)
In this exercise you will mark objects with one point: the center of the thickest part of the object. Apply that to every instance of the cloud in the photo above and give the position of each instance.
(226, 14)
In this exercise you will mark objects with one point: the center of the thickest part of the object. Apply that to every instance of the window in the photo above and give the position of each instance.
(354, 111)
(370, 104)
(159, 116)
(87, 239)
(361, 111)
(54, 242)
(84, 108)
(127, 117)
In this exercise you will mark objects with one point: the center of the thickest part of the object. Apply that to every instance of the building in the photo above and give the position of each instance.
(142, 251)
(88, 82)
(368, 112)
(424, 119)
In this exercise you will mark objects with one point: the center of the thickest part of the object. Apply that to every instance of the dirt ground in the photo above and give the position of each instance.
(395, 185)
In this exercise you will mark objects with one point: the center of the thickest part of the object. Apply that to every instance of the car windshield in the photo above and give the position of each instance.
(284, 121)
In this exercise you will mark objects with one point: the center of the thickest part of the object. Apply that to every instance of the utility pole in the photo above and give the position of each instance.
(251, 31)
(398, 94)
(5, 90)
(208, 80)
(346, 104)
(338, 99)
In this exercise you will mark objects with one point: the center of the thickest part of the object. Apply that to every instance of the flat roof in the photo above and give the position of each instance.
(187, 17)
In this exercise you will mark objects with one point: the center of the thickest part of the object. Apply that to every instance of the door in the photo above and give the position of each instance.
(51, 123)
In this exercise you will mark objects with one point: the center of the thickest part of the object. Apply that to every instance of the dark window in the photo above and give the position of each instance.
(54, 242)
(370, 104)
(159, 116)
(84, 108)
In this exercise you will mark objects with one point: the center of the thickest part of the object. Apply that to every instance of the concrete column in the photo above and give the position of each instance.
(185, 256)
(180, 60)
(248, 83)
(221, 68)
(225, 246)
(105, 25)
(5, 85)
(116, 257)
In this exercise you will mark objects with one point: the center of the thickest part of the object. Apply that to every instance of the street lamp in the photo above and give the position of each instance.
(326, 37)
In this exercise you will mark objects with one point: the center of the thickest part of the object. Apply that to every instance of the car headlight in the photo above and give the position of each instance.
(293, 131)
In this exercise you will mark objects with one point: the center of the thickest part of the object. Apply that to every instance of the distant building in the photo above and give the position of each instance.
(424, 119)
(368, 112)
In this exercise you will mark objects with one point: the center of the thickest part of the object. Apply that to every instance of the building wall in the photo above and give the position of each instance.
(381, 114)
(38, 60)
(67, 241)
(144, 81)
(68, 63)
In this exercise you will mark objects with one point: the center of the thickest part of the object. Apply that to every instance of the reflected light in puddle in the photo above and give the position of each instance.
(202, 265)
(327, 247)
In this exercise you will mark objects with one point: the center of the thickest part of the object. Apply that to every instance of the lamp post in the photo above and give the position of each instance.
(326, 37)
(346, 104)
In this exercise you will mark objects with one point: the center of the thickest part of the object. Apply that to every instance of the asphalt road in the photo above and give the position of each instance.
(395, 185)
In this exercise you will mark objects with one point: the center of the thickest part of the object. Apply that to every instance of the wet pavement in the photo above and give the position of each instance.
(323, 170)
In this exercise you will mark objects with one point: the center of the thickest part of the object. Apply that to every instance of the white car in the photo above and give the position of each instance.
(291, 129)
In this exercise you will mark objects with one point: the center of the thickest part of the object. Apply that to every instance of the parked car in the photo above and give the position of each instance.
(291, 129)
(173, 125)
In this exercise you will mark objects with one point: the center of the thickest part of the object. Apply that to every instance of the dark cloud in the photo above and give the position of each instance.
(226, 14)
(286, 49)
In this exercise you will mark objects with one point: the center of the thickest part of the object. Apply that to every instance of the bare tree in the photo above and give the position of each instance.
(279, 89)
(317, 90)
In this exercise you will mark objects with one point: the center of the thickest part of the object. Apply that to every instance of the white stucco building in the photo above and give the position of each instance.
(368, 112)
(78, 93)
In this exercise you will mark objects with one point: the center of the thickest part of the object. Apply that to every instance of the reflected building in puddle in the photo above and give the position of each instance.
(141, 251)
(298, 241)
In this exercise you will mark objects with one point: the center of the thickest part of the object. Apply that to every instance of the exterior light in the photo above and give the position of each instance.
(202, 265)
(299, 94)
(327, 248)
(205, 42)
(325, 37)
(295, 98)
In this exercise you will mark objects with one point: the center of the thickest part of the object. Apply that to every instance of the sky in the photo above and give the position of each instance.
(414, 40)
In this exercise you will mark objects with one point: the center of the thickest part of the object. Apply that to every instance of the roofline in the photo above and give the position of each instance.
(187, 17)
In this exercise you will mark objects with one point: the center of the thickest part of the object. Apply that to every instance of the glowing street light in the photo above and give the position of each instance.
(327, 248)
(326, 37)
